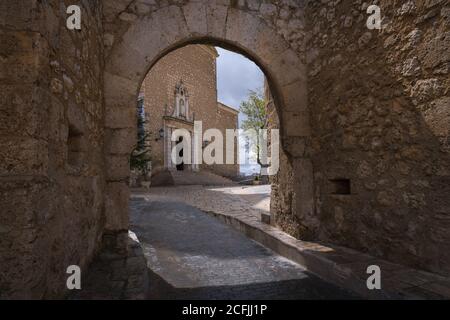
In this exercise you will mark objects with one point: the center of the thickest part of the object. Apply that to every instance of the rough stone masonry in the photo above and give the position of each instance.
(364, 119)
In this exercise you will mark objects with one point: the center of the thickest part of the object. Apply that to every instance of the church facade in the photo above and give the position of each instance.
(179, 89)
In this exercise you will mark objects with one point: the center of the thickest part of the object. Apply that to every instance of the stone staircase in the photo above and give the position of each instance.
(204, 178)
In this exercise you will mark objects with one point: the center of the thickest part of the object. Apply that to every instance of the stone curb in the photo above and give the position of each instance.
(342, 266)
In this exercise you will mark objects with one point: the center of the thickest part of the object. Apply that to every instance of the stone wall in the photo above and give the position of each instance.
(51, 187)
(195, 65)
(227, 118)
(381, 129)
(364, 131)
(282, 183)
(380, 133)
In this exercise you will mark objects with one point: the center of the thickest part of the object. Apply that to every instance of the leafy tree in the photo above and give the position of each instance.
(140, 156)
(255, 108)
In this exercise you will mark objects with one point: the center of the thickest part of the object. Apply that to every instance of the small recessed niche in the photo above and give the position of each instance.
(75, 150)
(340, 186)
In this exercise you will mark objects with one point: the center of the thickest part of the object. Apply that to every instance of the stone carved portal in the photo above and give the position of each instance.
(178, 119)
(170, 144)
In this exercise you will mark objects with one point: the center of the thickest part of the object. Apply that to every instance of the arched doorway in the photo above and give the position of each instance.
(169, 28)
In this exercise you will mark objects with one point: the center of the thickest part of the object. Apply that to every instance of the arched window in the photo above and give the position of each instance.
(182, 108)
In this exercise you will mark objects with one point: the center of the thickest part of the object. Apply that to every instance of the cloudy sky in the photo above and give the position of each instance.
(235, 76)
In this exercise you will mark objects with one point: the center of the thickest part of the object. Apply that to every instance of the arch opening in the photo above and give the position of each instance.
(131, 60)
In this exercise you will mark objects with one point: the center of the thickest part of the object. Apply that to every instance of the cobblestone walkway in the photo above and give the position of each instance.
(249, 201)
(192, 255)
(185, 253)
(242, 206)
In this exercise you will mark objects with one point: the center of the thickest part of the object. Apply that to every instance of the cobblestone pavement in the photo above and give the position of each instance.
(191, 255)
(238, 200)
(241, 208)
(254, 197)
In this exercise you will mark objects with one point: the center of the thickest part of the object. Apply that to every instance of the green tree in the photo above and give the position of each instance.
(255, 108)
(141, 155)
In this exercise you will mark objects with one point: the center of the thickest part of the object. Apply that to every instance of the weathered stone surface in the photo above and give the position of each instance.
(118, 166)
(195, 15)
(120, 141)
(120, 117)
(216, 15)
(295, 96)
(114, 277)
(378, 96)
(437, 117)
(117, 194)
(237, 20)
(56, 207)
(296, 124)
(378, 119)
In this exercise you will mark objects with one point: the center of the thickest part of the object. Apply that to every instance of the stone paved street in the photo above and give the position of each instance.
(192, 255)
(240, 207)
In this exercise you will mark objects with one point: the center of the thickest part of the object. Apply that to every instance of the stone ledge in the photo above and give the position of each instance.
(342, 266)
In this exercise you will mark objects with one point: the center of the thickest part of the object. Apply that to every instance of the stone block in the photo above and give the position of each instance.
(121, 141)
(119, 118)
(25, 112)
(21, 15)
(295, 124)
(195, 15)
(129, 61)
(119, 91)
(23, 156)
(238, 20)
(24, 57)
(295, 147)
(304, 190)
(437, 117)
(288, 68)
(270, 46)
(116, 206)
(118, 167)
(295, 96)
(216, 15)
(172, 23)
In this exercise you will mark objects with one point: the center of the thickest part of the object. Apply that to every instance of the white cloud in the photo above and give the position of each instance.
(236, 75)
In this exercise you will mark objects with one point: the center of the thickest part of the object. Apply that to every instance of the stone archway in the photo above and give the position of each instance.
(150, 38)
